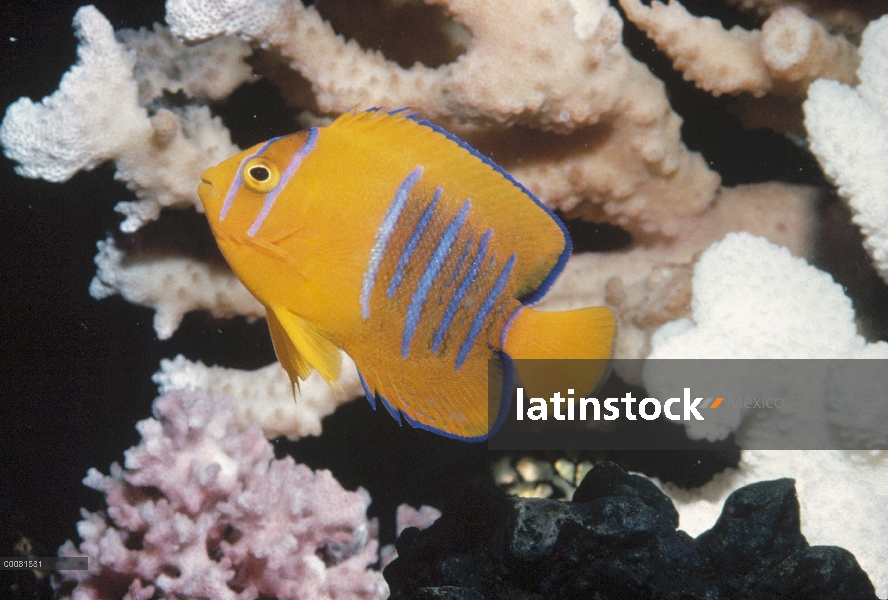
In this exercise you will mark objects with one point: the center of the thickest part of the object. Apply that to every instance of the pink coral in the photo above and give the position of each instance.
(203, 510)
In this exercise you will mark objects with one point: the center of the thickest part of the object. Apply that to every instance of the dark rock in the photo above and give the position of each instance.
(618, 539)
(823, 572)
(759, 527)
(536, 525)
(608, 479)
(448, 592)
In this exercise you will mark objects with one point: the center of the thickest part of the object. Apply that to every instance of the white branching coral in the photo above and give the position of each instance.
(90, 119)
(789, 52)
(172, 286)
(848, 132)
(96, 116)
(264, 396)
(753, 300)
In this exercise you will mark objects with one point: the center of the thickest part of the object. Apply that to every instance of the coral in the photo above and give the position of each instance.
(421, 518)
(768, 69)
(264, 396)
(848, 132)
(836, 15)
(202, 509)
(789, 52)
(202, 72)
(407, 516)
(171, 285)
(95, 116)
(753, 300)
(618, 539)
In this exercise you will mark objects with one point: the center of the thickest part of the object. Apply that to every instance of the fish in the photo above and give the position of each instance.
(390, 238)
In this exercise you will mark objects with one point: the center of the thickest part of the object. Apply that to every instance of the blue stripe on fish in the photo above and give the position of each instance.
(239, 180)
(485, 309)
(371, 397)
(394, 412)
(412, 243)
(382, 237)
(464, 285)
(535, 296)
(428, 277)
(291, 169)
(459, 264)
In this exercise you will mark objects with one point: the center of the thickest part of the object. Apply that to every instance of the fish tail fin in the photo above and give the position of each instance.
(585, 334)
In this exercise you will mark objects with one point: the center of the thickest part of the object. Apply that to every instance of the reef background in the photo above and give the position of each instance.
(76, 372)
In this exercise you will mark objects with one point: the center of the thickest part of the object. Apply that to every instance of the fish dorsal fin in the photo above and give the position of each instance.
(301, 348)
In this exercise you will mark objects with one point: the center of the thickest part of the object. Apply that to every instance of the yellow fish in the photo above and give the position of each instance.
(397, 242)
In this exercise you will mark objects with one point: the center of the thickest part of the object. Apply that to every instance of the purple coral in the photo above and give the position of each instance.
(203, 510)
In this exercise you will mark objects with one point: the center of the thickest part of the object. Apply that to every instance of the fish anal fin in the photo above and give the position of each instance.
(301, 348)
(581, 340)
(429, 395)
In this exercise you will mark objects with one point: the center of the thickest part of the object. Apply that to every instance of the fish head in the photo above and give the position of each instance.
(239, 193)
(248, 200)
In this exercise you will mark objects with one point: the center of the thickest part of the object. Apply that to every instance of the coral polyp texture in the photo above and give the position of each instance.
(848, 132)
(201, 509)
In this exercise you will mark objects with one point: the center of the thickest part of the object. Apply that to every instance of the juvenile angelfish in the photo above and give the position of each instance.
(397, 242)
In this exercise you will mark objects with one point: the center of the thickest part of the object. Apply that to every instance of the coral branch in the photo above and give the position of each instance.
(172, 286)
(848, 132)
(96, 116)
(789, 52)
(203, 510)
(265, 396)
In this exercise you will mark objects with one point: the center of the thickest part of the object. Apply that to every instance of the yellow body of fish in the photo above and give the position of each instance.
(397, 242)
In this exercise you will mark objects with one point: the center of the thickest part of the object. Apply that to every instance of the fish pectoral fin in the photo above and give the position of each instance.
(302, 348)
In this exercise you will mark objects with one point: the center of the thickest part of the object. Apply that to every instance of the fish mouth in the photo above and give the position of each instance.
(205, 187)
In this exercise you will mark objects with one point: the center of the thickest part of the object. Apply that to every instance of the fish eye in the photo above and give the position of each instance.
(260, 175)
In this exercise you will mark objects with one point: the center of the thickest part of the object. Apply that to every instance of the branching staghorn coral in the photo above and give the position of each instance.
(770, 69)
(550, 93)
(837, 16)
(789, 52)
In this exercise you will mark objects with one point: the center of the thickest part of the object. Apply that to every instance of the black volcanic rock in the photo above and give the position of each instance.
(618, 539)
